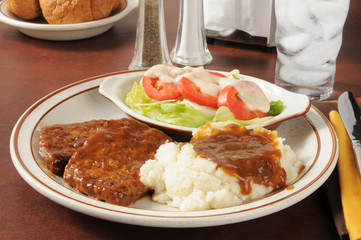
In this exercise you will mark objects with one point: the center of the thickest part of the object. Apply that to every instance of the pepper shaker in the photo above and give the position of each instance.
(151, 41)
(191, 46)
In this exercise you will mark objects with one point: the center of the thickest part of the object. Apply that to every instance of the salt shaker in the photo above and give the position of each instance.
(151, 42)
(191, 46)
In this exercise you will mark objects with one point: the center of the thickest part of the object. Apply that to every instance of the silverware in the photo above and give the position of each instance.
(350, 115)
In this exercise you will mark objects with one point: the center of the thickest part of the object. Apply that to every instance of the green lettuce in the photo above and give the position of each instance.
(179, 113)
(275, 108)
(224, 114)
(169, 111)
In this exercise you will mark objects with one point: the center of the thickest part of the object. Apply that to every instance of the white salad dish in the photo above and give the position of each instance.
(311, 137)
(116, 88)
(40, 29)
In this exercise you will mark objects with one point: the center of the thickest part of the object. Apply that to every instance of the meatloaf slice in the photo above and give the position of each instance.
(107, 166)
(57, 143)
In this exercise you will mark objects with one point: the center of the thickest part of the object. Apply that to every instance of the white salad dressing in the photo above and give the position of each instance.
(249, 92)
(207, 83)
(164, 73)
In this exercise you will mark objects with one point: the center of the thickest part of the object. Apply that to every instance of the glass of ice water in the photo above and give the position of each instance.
(308, 40)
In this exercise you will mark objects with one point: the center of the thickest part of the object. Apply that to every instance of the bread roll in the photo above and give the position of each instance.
(66, 11)
(77, 11)
(26, 9)
(101, 8)
(119, 3)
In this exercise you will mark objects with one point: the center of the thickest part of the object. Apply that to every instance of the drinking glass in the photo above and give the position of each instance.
(308, 40)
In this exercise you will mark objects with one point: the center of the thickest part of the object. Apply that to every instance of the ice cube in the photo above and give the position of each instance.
(281, 8)
(294, 43)
(284, 59)
(299, 15)
(331, 17)
(304, 78)
(319, 52)
(344, 4)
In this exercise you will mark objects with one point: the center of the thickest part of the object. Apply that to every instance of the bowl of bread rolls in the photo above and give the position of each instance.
(63, 20)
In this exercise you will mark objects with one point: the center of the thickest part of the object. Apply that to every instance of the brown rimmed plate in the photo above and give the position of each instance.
(311, 137)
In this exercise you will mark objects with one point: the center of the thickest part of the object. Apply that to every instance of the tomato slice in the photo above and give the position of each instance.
(159, 90)
(218, 74)
(228, 97)
(191, 91)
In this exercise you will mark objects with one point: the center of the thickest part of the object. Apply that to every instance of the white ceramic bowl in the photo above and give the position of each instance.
(116, 88)
(64, 32)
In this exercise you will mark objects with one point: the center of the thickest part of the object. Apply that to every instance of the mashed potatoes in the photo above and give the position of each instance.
(183, 179)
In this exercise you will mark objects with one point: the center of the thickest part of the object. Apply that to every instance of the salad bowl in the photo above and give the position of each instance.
(116, 87)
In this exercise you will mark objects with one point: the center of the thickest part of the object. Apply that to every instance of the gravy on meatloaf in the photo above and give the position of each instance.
(58, 142)
(107, 166)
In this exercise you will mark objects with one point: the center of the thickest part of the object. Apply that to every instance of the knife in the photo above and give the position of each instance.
(350, 115)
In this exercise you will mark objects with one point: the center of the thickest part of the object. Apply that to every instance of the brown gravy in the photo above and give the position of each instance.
(107, 166)
(248, 155)
(58, 142)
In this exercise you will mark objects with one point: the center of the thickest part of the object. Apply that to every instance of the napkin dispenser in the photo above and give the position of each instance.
(244, 21)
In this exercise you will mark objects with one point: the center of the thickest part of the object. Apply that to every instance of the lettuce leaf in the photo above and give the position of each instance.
(275, 108)
(169, 111)
(179, 113)
(224, 114)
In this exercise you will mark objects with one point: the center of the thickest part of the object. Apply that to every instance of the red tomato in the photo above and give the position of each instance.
(191, 91)
(159, 90)
(228, 97)
(218, 74)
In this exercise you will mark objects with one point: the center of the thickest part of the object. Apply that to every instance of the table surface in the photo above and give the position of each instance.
(31, 68)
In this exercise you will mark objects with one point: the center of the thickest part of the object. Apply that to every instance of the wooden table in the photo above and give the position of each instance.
(31, 68)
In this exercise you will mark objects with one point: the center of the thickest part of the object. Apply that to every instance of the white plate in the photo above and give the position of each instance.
(63, 32)
(116, 88)
(311, 137)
